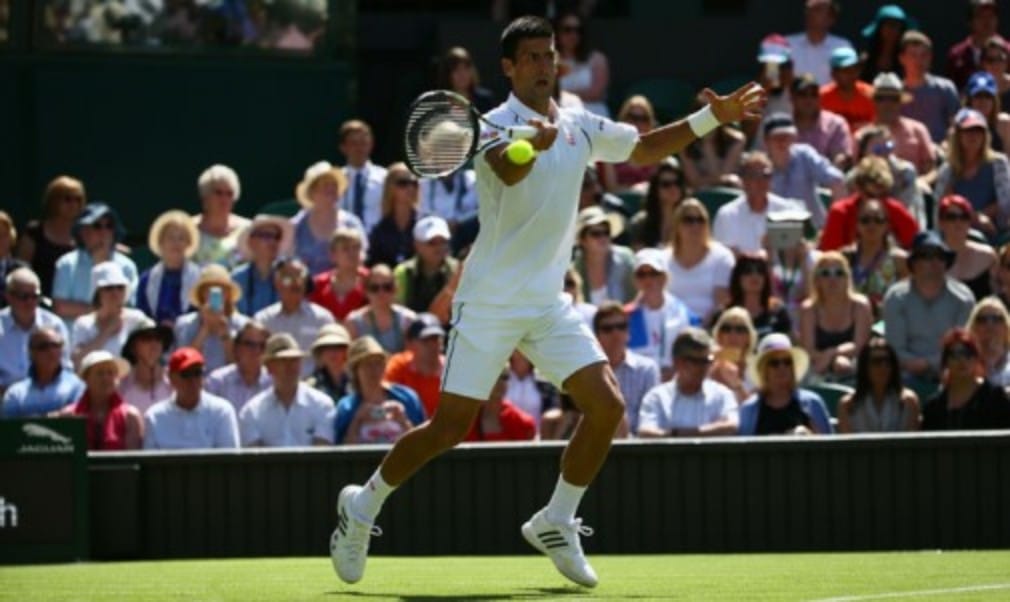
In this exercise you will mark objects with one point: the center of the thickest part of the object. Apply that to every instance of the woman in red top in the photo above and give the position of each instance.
(113, 424)
(499, 420)
(342, 289)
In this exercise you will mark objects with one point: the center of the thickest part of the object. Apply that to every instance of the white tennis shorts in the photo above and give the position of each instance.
(553, 337)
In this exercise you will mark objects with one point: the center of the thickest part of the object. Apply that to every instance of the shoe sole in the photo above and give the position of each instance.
(342, 501)
(531, 537)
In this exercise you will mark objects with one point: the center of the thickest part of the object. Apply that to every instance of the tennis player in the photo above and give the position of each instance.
(510, 297)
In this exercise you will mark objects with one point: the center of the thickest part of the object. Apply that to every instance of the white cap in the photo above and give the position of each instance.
(654, 258)
(431, 227)
(888, 82)
(108, 273)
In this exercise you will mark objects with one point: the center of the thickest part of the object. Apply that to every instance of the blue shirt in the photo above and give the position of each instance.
(72, 279)
(14, 359)
(807, 169)
(810, 402)
(315, 253)
(934, 103)
(26, 398)
(169, 296)
(188, 325)
(980, 189)
(348, 405)
(257, 292)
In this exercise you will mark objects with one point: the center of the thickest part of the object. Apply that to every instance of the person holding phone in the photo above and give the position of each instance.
(212, 326)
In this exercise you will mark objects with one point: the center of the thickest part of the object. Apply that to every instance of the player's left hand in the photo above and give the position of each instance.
(746, 102)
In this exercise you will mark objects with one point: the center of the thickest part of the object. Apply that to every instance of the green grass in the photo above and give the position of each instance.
(710, 577)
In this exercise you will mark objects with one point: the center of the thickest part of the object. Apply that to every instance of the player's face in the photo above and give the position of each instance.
(534, 69)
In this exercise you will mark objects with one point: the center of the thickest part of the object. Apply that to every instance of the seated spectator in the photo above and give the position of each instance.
(592, 194)
(875, 141)
(934, 99)
(982, 95)
(242, 379)
(712, 159)
(636, 374)
(529, 392)
(329, 351)
(452, 198)
(699, 265)
(559, 423)
(8, 238)
(918, 311)
(655, 317)
(376, 411)
(456, 72)
(692, 404)
(874, 260)
(365, 179)
(219, 227)
(342, 289)
(911, 138)
(964, 58)
(792, 274)
(163, 289)
(499, 419)
(989, 324)
(872, 180)
(750, 287)
(573, 289)
(735, 339)
(741, 223)
(883, 36)
(428, 279)
(289, 413)
(776, 77)
(97, 231)
(974, 262)
(294, 313)
(780, 407)
(23, 291)
(319, 193)
(111, 321)
(828, 133)
(880, 404)
(835, 321)
(653, 224)
(49, 385)
(846, 95)
(112, 424)
(606, 268)
(1002, 279)
(419, 367)
(266, 239)
(147, 382)
(812, 47)
(391, 241)
(586, 71)
(797, 169)
(618, 177)
(45, 240)
(214, 322)
(383, 320)
(966, 399)
(974, 171)
(995, 58)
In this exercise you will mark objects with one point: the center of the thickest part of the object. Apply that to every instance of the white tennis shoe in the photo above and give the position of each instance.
(349, 542)
(561, 543)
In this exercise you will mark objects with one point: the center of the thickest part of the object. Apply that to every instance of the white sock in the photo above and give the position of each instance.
(373, 493)
(564, 502)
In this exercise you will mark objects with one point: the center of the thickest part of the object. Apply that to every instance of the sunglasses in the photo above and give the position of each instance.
(223, 192)
(103, 226)
(598, 232)
(990, 319)
(504, 378)
(72, 198)
(931, 256)
(621, 326)
(880, 360)
(756, 175)
(961, 352)
(647, 274)
(955, 216)
(692, 220)
(867, 220)
(734, 329)
(697, 361)
(260, 345)
(831, 273)
(570, 284)
(887, 98)
(266, 235)
(385, 287)
(779, 362)
(47, 346)
(405, 183)
(750, 269)
(667, 183)
(25, 296)
(637, 118)
(192, 373)
(810, 93)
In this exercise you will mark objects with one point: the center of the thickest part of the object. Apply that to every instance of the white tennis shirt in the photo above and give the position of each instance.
(527, 230)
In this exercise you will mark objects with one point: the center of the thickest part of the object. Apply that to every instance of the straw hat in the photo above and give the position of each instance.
(331, 335)
(361, 348)
(772, 343)
(282, 346)
(102, 356)
(173, 218)
(141, 328)
(313, 173)
(286, 229)
(214, 274)
(594, 215)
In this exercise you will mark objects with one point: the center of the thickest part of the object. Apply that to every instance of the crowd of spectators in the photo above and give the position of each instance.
(853, 274)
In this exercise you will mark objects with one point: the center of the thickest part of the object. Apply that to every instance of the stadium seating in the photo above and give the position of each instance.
(831, 393)
(284, 208)
(715, 197)
(671, 98)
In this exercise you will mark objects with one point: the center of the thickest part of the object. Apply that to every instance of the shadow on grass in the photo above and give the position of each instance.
(531, 593)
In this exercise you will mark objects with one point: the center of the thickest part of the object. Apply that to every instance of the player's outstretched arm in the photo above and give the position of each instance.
(511, 173)
(745, 102)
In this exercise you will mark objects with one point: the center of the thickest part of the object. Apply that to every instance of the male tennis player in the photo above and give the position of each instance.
(510, 296)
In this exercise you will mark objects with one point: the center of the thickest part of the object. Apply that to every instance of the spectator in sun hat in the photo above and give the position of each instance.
(191, 418)
(429, 277)
(49, 384)
(934, 99)
(112, 423)
(290, 413)
(23, 292)
(780, 406)
(655, 317)
(846, 94)
(329, 352)
(319, 194)
(96, 231)
(163, 290)
(211, 326)
(965, 57)
(420, 365)
(911, 138)
(265, 239)
(240, 380)
(883, 41)
(597, 255)
(982, 94)
(110, 323)
(219, 190)
(147, 382)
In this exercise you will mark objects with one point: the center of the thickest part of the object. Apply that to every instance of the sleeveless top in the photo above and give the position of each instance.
(392, 340)
(46, 254)
(874, 280)
(865, 417)
(979, 284)
(980, 189)
(580, 77)
(109, 434)
(825, 339)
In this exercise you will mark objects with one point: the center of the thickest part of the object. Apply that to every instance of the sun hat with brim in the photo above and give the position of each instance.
(594, 216)
(889, 12)
(774, 48)
(362, 348)
(173, 218)
(108, 273)
(314, 172)
(274, 221)
(965, 119)
(93, 213)
(214, 274)
(144, 327)
(331, 335)
(928, 240)
(282, 346)
(772, 343)
(843, 57)
(102, 356)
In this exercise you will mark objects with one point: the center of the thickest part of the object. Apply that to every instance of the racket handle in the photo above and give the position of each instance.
(521, 132)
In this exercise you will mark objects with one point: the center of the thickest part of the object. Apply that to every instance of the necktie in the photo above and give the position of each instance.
(358, 201)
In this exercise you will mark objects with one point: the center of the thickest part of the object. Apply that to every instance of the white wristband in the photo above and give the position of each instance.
(702, 121)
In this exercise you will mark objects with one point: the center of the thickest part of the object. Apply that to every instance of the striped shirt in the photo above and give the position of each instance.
(636, 375)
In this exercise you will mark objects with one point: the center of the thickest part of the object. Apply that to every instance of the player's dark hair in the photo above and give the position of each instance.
(523, 28)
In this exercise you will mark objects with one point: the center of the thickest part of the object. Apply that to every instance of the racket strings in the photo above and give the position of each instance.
(439, 136)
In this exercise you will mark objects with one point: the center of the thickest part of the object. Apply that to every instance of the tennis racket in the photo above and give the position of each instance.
(444, 131)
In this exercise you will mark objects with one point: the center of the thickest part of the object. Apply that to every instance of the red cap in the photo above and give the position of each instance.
(956, 201)
(183, 358)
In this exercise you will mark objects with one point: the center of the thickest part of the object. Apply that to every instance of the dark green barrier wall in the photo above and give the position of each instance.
(919, 492)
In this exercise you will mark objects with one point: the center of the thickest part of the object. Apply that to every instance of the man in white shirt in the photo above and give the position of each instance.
(290, 413)
(365, 180)
(191, 418)
(509, 295)
(691, 405)
(23, 291)
(239, 381)
(656, 317)
(813, 46)
(740, 224)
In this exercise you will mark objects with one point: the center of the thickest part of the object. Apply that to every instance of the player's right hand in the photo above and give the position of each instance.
(546, 134)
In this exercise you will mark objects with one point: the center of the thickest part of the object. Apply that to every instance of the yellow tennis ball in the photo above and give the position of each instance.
(520, 152)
